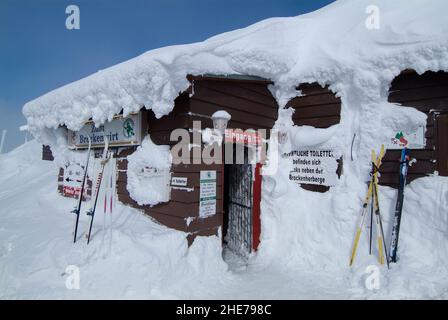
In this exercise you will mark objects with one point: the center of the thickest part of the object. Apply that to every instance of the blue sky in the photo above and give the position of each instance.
(38, 54)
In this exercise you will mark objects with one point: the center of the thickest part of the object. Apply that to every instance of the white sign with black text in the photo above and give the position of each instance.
(120, 132)
(316, 167)
(179, 181)
(72, 180)
(207, 194)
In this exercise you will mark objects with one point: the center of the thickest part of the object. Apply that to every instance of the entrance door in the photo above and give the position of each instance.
(239, 232)
(242, 194)
(442, 144)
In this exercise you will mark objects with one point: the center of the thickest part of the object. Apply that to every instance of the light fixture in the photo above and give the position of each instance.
(220, 120)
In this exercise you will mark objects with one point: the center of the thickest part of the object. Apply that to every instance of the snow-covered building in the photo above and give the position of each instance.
(328, 81)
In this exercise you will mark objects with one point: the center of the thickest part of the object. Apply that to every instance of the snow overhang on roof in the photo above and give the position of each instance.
(332, 46)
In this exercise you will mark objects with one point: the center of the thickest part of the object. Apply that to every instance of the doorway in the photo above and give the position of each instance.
(242, 188)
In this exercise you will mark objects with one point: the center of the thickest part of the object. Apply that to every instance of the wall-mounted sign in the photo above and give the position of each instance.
(148, 172)
(313, 167)
(120, 132)
(207, 194)
(179, 181)
(247, 137)
(73, 176)
(410, 140)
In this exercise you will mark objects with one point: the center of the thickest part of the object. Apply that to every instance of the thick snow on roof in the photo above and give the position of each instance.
(331, 45)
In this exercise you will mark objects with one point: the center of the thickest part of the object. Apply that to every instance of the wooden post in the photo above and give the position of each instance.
(256, 221)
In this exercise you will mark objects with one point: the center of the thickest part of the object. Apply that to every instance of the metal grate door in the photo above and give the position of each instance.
(239, 235)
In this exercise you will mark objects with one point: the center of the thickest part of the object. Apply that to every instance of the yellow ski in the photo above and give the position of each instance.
(376, 163)
(379, 227)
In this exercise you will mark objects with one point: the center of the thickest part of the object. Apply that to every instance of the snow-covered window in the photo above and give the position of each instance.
(318, 106)
(148, 175)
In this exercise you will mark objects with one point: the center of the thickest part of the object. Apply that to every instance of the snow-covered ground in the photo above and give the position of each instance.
(133, 257)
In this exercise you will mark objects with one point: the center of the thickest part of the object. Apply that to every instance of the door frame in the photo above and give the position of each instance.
(256, 205)
(441, 132)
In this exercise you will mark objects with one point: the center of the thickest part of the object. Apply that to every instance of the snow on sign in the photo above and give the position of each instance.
(207, 194)
(120, 132)
(411, 140)
(316, 167)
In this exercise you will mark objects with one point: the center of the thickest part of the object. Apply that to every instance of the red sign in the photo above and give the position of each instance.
(71, 191)
(243, 137)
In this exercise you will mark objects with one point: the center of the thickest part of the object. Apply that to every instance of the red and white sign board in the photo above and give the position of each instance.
(248, 137)
(71, 185)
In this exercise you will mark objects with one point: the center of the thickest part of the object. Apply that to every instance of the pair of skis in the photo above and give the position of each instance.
(372, 196)
(77, 209)
(405, 163)
(109, 194)
(91, 212)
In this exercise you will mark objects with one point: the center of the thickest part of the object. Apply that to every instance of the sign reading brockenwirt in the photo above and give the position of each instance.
(316, 167)
(120, 132)
(207, 194)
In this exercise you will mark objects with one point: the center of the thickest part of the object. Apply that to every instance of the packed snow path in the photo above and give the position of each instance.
(137, 258)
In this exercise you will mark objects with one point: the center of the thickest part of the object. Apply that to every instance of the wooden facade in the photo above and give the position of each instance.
(429, 94)
(251, 105)
(47, 154)
(318, 106)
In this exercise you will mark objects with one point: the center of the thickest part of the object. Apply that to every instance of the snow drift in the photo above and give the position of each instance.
(129, 256)
(147, 188)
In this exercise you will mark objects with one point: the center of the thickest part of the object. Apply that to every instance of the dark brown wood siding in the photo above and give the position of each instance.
(46, 153)
(429, 94)
(183, 204)
(318, 106)
(442, 144)
(251, 105)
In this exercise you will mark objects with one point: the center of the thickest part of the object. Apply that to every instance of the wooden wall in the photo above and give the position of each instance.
(425, 92)
(46, 153)
(442, 145)
(251, 105)
(318, 106)
(183, 204)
